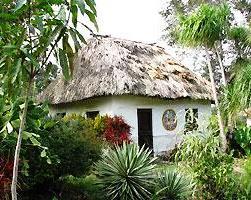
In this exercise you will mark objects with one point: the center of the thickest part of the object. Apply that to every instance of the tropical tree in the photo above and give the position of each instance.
(236, 96)
(32, 33)
(227, 49)
(204, 28)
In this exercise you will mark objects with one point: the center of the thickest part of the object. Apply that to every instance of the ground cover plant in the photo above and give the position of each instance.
(126, 172)
(213, 170)
(170, 184)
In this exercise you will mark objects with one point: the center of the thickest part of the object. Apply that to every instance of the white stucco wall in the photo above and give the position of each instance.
(249, 122)
(127, 106)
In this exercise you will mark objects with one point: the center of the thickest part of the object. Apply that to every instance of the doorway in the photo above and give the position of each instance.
(145, 130)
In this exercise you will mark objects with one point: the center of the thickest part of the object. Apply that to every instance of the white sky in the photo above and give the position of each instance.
(131, 19)
(140, 20)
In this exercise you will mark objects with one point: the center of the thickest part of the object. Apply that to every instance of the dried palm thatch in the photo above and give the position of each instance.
(111, 66)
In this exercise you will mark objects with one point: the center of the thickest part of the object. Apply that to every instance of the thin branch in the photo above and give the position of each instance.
(88, 28)
(54, 45)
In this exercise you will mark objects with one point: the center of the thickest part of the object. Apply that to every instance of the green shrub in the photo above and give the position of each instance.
(126, 172)
(170, 185)
(87, 186)
(73, 148)
(242, 136)
(211, 169)
(247, 176)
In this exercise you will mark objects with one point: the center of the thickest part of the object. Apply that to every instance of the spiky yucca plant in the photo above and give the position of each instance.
(170, 185)
(126, 172)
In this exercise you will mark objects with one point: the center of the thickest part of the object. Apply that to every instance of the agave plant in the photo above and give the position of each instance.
(172, 185)
(126, 172)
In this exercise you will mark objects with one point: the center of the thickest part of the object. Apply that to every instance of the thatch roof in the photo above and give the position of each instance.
(111, 66)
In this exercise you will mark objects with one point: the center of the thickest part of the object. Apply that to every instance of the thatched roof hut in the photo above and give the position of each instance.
(111, 66)
(138, 81)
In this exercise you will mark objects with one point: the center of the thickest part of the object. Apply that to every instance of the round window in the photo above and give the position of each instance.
(169, 120)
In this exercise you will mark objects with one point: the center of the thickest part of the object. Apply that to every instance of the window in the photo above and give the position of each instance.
(92, 114)
(169, 120)
(191, 120)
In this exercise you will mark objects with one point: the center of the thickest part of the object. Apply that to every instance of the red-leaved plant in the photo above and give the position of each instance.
(116, 130)
(6, 167)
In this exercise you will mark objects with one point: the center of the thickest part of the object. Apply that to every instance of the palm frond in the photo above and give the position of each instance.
(204, 26)
(237, 95)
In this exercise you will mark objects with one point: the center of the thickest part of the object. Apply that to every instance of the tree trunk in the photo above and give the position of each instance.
(224, 81)
(220, 121)
(19, 141)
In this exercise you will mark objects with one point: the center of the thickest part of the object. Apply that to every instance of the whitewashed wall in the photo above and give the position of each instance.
(249, 122)
(127, 106)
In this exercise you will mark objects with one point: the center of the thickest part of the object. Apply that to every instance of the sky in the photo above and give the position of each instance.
(140, 20)
(131, 19)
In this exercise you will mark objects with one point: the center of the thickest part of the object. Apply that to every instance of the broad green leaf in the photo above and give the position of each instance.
(40, 24)
(48, 160)
(82, 39)
(64, 64)
(2, 61)
(27, 135)
(92, 4)
(62, 13)
(21, 106)
(81, 5)
(92, 18)
(34, 141)
(47, 41)
(74, 11)
(16, 123)
(25, 167)
(16, 70)
(43, 153)
(67, 48)
(9, 127)
(9, 47)
(20, 4)
(49, 124)
(75, 39)
(32, 58)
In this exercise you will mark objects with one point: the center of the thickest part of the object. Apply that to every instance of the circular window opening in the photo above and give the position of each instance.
(169, 120)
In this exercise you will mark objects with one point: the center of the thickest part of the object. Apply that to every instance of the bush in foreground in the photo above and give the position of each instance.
(200, 156)
(126, 172)
(170, 185)
(73, 147)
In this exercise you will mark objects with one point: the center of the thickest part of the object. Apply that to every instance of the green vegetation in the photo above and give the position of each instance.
(126, 172)
(247, 176)
(30, 35)
(169, 184)
(212, 170)
(206, 25)
(72, 157)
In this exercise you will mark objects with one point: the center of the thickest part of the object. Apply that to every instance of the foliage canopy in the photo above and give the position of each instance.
(204, 26)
